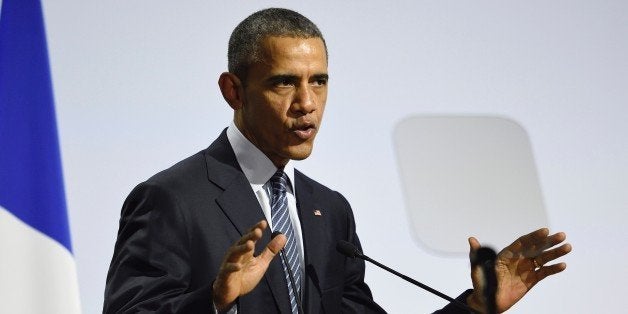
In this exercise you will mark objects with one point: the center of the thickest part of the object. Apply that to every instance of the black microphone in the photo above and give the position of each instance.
(485, 258)
(290, 275)
(352, 251)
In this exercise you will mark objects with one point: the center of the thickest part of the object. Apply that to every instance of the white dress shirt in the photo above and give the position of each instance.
(258, 169)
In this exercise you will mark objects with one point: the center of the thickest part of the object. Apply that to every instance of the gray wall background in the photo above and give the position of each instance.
(135, 88)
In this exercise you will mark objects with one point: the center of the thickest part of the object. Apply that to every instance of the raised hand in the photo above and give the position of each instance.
(240, 271)
(519, 267)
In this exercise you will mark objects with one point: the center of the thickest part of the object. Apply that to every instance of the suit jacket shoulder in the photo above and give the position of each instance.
(174, 230)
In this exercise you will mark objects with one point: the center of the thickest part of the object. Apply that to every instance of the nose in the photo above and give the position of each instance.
(305, 100)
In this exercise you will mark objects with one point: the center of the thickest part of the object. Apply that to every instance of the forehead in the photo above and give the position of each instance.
(293, 50)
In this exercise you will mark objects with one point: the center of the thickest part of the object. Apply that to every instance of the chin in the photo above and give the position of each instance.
(299, 152)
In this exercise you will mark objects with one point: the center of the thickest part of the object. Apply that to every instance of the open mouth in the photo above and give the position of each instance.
(305, 131)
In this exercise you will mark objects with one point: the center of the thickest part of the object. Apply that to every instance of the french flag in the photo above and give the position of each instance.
(37, 268)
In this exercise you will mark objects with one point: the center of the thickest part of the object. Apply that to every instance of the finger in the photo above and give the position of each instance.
(235, 252)
(556, 239)
(537, 248)
(274, 246)
(553, 254)
(549, 270)
(229, 268)
(529, 245)
(262, 224)
(246, 244)
(255, 233)
(533, 237)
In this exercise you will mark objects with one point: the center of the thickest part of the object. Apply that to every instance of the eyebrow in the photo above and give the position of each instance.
(295, 78)
(322, 76)
(283, 77)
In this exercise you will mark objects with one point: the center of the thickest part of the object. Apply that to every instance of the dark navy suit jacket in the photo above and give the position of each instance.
(176, 227)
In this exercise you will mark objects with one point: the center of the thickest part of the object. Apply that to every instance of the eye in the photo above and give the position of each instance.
(321, 82)
(284, 83)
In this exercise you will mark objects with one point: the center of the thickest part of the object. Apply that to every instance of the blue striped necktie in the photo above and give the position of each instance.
(281, 222)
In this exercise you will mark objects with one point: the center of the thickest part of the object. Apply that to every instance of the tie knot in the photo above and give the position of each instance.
(279, 182)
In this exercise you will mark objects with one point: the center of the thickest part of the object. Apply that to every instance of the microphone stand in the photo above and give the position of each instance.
(485, 258)
(350, 250)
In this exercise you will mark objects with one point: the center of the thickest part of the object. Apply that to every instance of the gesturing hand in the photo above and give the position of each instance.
(519, 267)
(240, 271)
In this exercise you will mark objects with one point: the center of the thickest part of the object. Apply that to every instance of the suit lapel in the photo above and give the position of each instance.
(244, 211)
(240, 205)
(237, 201)
(314, 240)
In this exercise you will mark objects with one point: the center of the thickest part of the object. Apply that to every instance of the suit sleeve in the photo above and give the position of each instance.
(150, 269)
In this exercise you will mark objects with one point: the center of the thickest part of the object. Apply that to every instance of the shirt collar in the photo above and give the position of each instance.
(256, 166)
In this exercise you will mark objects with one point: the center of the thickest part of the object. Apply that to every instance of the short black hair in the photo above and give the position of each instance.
(245, 40)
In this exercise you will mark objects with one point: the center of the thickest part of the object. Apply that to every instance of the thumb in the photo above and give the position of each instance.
(476, 272)
(474, 244)
(274, 246)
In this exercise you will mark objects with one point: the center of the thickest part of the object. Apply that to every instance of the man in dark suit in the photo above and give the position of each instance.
(195, 238)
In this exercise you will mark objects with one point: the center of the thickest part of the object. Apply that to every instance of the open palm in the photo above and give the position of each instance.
(515, 267)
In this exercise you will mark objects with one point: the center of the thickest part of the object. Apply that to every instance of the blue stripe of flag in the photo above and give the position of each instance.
(31, 180)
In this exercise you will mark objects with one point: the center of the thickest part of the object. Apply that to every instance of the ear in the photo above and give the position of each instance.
(231, 89)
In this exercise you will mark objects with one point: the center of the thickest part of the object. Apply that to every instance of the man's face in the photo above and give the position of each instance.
(284, 98)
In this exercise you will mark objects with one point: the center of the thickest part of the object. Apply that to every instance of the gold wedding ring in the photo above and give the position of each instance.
(536, 264)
